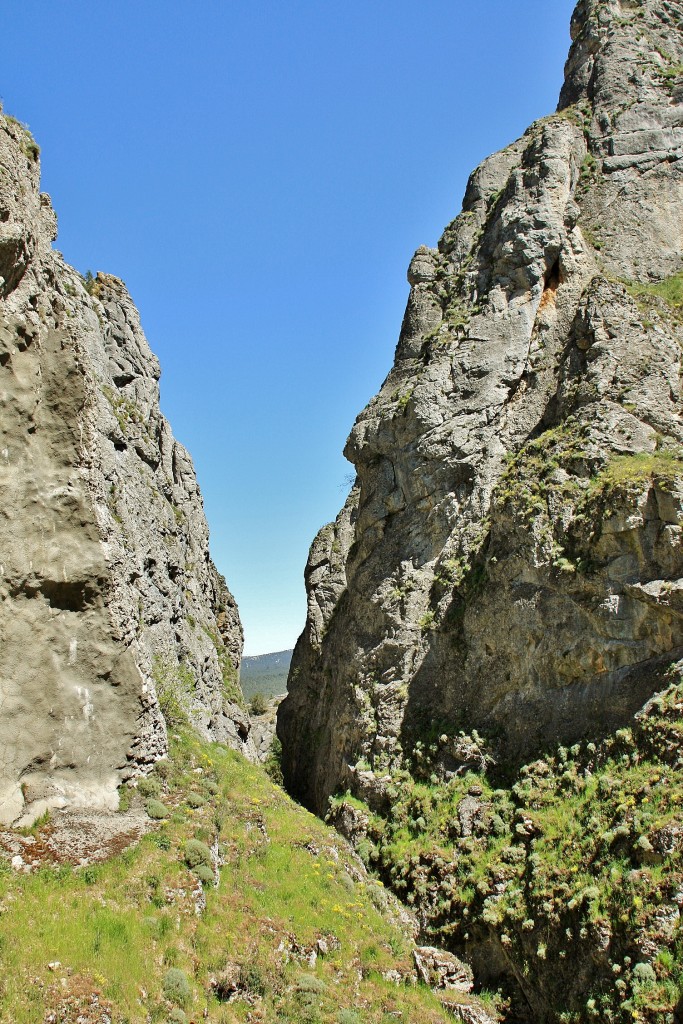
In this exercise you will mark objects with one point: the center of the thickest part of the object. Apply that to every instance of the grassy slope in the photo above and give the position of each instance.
(117, 928)
(574, 873)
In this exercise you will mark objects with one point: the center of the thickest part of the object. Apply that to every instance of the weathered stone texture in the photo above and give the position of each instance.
(487, 569)
(107, 588)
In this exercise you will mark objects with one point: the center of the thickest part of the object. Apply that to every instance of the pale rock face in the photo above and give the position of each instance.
(484, 572)
(107, 589)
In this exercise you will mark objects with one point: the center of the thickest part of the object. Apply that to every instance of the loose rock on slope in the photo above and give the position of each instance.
(109, 599)
(509, 558)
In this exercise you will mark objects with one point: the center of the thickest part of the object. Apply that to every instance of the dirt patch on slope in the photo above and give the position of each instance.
(74, 837)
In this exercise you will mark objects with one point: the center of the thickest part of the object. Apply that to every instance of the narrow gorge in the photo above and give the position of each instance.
(473, 807)
(151, 870)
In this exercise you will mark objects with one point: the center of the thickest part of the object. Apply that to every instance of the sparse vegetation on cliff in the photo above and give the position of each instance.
(670, 290)
(572, 871)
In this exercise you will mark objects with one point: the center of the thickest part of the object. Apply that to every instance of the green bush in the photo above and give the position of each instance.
(252, 980)
(124, 798)
(309, 983)
(195, 800)
(148, 787)
(162, 840)
(258, 705)
(176, 986)
(348, 1017)
(176, 1016)
(197, 853)
(156, 810)
(205, 874)
(273, 762)
(174, 685)
(644, 976)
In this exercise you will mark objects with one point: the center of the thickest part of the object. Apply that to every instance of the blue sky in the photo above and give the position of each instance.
(259, 172)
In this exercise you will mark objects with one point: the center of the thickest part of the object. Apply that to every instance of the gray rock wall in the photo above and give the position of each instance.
(509, 558)
(109, 601)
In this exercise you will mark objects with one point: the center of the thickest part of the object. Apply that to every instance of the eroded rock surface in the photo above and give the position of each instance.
(109, 600)
(509, 558)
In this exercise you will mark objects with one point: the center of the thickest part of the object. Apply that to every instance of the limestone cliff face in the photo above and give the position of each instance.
(108, 596)
(509, 558)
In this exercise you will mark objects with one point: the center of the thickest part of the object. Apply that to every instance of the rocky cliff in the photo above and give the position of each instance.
(509, 558)
(111, 610)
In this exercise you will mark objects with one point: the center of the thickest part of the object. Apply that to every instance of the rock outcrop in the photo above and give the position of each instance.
(509, 558)
(109, 601)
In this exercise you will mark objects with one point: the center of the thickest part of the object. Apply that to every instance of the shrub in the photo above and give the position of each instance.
(162, 840)
(498, 826)
(427, 621)
(156, 810)
(309, 983)
(173, 685)
(252, 980)
(205, 874)
(195, 800)
(124, 798)
(273, 762)
(197, 853)
(148, 787)
(176, 986)
(258, 705)
(643, 976)
(176, 1016)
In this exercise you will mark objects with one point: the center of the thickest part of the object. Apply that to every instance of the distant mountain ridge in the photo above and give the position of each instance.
(265, 673)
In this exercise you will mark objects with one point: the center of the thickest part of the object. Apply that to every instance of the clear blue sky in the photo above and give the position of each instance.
(259, 172)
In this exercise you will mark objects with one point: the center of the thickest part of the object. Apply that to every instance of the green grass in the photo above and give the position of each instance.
(665, 466)
(670, 290)
(29, 146)
(559, 468)
(671, 73)
(286, 881)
